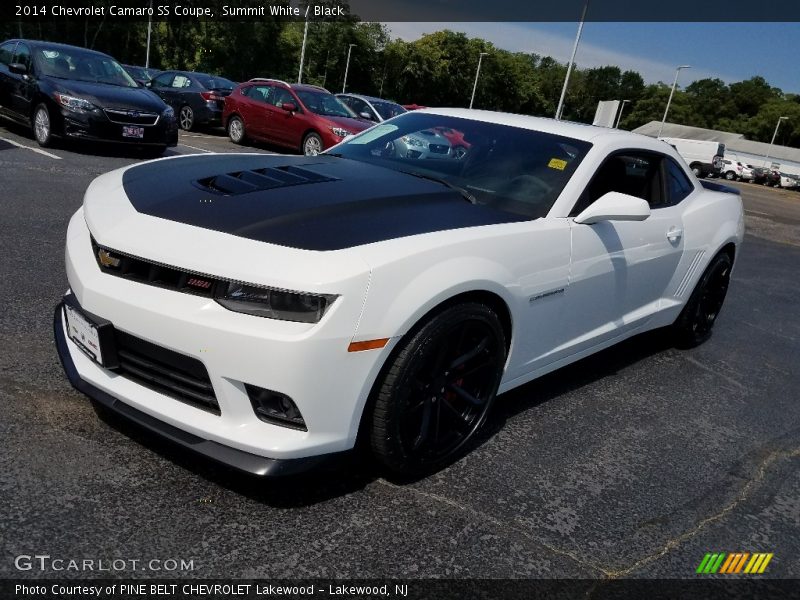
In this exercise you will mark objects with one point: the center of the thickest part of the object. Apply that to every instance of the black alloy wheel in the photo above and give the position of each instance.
(438, 389)
(696, 322)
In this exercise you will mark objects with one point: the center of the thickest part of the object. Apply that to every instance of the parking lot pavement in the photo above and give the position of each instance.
(634, 462)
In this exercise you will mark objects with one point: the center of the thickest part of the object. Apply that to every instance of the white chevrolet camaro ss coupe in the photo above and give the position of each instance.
(271, 311)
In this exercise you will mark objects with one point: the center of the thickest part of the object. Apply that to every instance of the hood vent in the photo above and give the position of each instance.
(255, 180)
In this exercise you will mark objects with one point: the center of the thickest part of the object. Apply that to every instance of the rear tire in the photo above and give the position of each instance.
(695, 323)
(186, 118)
(730, 175)
(437, 389)
(698, 172)
(42, 126)
(236, 131)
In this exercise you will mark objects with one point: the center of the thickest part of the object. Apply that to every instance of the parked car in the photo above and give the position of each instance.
(787, 180)
(267, 311)
(197, 98)
(731, 168)
(413, 106)
(302, 117)
(141, 75)
(71, 92)
(747, 172)
(766, 176)
(703, 157)
(371, 108)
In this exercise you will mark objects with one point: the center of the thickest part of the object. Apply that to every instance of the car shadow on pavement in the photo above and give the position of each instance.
(350, 472)
(342, 475)
(589, 370)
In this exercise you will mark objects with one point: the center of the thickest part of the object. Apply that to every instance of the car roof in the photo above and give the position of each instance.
(368, 98)
(35, 43)
(578, 131)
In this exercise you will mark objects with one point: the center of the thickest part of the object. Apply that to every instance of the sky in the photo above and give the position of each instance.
(730, 51)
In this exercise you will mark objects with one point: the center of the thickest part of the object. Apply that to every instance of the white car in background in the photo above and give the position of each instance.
(269, 311)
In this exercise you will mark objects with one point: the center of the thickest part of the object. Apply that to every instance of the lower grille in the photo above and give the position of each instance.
(131, 117)
(167, 372)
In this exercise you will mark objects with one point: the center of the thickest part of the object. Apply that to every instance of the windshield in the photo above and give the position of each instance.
(80, 65)
(215, 83)
(323, 103)
(387, 110)
(512, 169)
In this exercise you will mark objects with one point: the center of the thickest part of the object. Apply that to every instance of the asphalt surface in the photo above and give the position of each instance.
(635, 462)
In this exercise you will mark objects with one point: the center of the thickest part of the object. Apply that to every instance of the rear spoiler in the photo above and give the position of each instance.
(718, 187)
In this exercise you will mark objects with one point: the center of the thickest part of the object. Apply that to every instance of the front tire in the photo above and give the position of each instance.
(236, 130)
(696, 321)
(698, 172)
(730, 175)
(186, 118)
(42, 126)
(312, 144)
(437, 389)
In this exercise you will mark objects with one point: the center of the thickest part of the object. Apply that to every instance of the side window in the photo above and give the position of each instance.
(181, 81)
(262, 93)
(678, 184)
(279, 96)
(22, 55)
(634, 173)
(6, 52)
(163, 80)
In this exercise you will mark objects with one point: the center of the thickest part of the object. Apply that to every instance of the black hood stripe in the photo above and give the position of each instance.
(323, 203)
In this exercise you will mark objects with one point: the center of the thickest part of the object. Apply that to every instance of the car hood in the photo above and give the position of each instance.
(317, 203)
(111, 96)
(354, 125)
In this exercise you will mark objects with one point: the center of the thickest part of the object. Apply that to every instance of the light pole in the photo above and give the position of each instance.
(347, 66)
(149, 29)
(560, 108)
(302, 54)
(477, 74)
(774, 135)
(674, 85)
(619, 116)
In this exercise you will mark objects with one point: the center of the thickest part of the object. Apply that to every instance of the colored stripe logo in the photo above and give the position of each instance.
(734, 563)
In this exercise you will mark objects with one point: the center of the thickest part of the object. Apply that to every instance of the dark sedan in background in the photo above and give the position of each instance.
(66, 91)
(197, 98)
(140, 74)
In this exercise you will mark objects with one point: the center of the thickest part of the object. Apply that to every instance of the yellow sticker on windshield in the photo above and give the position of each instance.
(557, 163)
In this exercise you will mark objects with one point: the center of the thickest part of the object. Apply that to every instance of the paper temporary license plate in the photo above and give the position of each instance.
(84, 333)
(131, 131)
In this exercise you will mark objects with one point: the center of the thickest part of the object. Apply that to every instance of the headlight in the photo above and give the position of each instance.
(338, 131)
(74, 104)
(412, 141)
(168, 113)
(275, 304)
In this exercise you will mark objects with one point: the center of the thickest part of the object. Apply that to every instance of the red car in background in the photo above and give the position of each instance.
(303, 117)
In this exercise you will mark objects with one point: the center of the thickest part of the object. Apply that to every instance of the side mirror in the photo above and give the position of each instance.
(18, 68)
(289, 107)
(614, 206)
(366, 115)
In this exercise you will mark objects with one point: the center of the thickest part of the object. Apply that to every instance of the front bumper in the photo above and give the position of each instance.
(98, 128)
(242, 461)
(307, 362)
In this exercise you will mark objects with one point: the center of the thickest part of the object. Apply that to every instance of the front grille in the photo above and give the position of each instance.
(242, 182)
(170, 373)
(131, 117)
(143, 271)
(439, 148)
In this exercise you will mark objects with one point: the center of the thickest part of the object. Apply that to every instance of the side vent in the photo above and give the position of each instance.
(243, 182)
(696, 261)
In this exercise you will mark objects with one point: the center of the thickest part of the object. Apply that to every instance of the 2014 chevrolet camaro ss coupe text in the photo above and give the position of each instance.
(267, 311)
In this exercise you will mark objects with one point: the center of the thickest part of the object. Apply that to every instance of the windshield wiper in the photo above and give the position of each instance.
(467, 196)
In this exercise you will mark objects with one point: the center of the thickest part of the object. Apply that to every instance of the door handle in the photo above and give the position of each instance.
(674, 234)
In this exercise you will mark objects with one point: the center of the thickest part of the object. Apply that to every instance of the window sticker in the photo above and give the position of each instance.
(557, 163)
